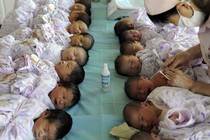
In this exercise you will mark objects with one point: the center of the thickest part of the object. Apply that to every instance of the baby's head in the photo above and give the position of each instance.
(52, 125)
(80, 7)
(75, 53)
(80, 15)
(127, 65)
(141, 116)
(77, 27)
(145, 136)
(87, 3)
(130, 47)
(84, 40)
(70, 71)
(130, 35)
(138, 87)
(123, 24)
(65, 96)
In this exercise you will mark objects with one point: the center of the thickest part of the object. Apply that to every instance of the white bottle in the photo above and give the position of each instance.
(105, 78)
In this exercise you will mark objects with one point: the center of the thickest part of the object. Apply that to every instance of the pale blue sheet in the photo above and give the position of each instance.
(98, 112)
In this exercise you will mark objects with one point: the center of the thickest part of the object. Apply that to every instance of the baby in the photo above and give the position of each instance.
(84, 40)
(139, 87)
(64, 71)
(77, 27)
(87, 3)
(42, 87)
(49, 51)
(80, 15)
(130, 35)
(145, 63)
(169, 108)
(80, 7)
(130, 47)
(39, 122)
(122, 25)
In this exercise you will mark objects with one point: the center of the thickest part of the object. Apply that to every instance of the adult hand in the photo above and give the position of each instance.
(178, 78)
(176, 60)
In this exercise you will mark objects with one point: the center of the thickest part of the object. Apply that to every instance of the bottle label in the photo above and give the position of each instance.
(105, 81)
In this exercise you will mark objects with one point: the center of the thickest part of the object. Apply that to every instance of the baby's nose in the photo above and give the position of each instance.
(59, 101)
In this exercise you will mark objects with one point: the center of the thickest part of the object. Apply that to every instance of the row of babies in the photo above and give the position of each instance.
(155, 47)
(36, 63)
(146, 59)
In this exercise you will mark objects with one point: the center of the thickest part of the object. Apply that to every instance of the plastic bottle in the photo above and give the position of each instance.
(105, 78)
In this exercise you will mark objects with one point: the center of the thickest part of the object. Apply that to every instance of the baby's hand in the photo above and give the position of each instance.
(174, 119)
(155, 130)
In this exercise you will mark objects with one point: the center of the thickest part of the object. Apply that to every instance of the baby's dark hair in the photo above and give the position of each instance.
(83, 16)
(126, 111)
(123, 46)
(87, 3)
(88, 35)
(86, 58)
(87, 10)
(141, 135)
(120, 27)
(203, 5)
(127, 87)
(77, 75)
(163, 17)
(75, 91)
(118, 63)
(63, 121)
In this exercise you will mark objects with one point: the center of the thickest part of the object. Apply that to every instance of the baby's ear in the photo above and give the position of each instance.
(144, 77)
(45, 113)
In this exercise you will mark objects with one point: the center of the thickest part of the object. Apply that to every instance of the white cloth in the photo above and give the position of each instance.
(195, 107)
(151, 62)
(17, 115)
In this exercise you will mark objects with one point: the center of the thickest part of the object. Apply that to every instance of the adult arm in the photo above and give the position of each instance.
(183, 58)
(179, 79)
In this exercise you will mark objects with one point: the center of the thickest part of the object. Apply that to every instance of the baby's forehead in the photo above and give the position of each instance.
(126, 20)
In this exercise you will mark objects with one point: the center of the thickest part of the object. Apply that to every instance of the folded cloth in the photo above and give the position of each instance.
(123, 131)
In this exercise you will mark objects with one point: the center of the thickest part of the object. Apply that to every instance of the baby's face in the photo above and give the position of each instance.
(65, 68)
(61, 97)
(77, 54)
(78, 7)
(144, 118)
(80, 40)
(132, 35)
(74, 14)
(140, 89)
(43, 129)
(128, 22)
(133, 47)
(77, 27)
(131, 65)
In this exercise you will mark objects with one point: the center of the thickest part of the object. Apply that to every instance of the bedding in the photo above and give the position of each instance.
(5, 7)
